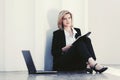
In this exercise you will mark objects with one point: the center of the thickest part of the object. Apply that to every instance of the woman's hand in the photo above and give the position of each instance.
(66, 48)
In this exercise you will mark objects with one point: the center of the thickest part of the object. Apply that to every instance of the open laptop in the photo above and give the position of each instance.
(30, 64)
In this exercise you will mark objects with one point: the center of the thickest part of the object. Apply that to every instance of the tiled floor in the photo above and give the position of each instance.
(113, 73)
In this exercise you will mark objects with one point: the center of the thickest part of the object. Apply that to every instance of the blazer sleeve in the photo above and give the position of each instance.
(56, 45)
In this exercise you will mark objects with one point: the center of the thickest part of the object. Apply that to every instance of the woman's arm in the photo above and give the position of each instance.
(56, 45)
(66, 48)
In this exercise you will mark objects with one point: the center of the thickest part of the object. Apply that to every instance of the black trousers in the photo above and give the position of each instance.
(77, 56)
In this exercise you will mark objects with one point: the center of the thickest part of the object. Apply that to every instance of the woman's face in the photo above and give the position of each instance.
(67, 20)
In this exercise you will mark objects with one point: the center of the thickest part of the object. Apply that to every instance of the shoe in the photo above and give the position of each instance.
(101, 70)
(90, 70)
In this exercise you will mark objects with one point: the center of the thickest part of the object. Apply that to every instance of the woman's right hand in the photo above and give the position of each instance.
(66, 48)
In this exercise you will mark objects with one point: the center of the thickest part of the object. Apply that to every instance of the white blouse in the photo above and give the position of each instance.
(70, 39)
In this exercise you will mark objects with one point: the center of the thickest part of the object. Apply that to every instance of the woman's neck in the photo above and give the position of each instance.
(69, 30)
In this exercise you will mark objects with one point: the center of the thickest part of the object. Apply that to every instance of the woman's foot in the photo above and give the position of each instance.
(98, 68)
(89, 69)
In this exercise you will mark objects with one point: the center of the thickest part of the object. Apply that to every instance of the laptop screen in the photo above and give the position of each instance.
(29, 61)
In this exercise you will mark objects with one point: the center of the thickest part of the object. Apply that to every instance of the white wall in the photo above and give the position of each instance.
(46, 13)
(2, 64)
(19, 32)
(28, 24)
(104, 22)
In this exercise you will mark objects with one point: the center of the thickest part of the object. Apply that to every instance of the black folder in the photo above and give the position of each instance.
(79, 37)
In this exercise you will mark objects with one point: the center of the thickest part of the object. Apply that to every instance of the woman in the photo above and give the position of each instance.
(68, 56)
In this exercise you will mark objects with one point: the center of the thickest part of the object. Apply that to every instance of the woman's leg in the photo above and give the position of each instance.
(82, 49)
(88, 43)
(97, 67)
(85, 49)
(72, 59)
(78, 51)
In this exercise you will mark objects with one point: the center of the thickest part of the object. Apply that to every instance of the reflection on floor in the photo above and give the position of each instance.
(113, 73)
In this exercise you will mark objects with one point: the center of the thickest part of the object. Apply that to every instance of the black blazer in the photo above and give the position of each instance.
(59, 41)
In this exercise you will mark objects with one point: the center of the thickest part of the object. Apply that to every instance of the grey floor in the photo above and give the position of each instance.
(113, 73)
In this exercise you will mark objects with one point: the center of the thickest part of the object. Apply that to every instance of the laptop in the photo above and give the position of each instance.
(30, 64)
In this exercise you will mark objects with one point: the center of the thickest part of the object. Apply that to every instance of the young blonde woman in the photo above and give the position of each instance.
(68, 56)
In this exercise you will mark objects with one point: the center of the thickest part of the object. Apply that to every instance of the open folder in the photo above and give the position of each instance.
(79, 37)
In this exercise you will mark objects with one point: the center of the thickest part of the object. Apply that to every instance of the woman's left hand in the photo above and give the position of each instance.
(66, 48)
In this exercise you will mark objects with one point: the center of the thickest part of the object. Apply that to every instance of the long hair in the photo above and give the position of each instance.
(60, 18)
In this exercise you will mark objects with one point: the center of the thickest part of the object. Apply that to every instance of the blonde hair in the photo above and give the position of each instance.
(60, 18)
